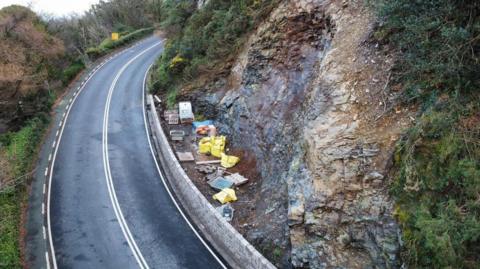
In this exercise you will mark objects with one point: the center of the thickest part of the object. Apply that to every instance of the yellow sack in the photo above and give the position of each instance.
(218, 146)
(205, 146)
(229, 161)
(225, 196)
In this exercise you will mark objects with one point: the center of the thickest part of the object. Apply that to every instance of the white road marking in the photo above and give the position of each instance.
(49, 224)
(44, 233)
(44, 188)
(108, 176)
(43, 208)
(163, 179)
(49, 157)
(47, 260)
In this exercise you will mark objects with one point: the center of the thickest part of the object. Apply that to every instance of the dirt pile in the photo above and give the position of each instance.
(29, 59)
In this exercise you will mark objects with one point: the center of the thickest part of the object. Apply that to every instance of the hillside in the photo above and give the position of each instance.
(30, 60)
(359, 115)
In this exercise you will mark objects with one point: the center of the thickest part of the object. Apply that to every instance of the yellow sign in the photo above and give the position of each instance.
(115, 36)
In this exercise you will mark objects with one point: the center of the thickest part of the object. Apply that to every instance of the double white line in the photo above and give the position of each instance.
(59, 134)
(108, 175)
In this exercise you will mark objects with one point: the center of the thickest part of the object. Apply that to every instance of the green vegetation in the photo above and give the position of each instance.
(20, 150)
(437, 184)
(201, 39)
(108, 45)
(72, 71)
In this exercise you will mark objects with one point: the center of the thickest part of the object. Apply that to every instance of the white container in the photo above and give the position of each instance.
(185, 112)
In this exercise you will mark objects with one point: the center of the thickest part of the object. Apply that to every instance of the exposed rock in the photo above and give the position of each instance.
(294, 97)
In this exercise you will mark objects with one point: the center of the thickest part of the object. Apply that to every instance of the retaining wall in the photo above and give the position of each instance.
(227, 241)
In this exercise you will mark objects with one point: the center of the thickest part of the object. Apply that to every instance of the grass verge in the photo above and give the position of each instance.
(20, 150)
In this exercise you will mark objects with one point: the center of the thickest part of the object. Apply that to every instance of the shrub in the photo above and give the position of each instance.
(108, 45)
(437, 163)
(204, 37)
(439, 44)
(71, 71)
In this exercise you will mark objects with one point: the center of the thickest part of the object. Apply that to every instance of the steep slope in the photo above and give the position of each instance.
(308, 95)
(29, 59)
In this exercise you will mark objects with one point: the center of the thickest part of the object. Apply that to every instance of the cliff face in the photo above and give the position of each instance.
(308, 95)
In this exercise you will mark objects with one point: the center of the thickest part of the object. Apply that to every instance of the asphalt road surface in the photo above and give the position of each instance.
(108, 207)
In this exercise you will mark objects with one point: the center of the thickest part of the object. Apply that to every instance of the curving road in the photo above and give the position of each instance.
(107, 206)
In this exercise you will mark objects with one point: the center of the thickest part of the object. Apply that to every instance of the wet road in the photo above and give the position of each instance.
(108, 207)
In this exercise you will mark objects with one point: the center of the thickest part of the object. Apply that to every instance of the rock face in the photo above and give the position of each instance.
(308, 97)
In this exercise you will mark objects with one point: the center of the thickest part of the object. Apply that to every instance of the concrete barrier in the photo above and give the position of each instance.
(221, 235)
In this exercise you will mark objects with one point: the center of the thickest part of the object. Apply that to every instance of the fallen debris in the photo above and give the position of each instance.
(225, 196)
(208, 162)
(173, 119)
(185, 112)
(185, 156)
(157, 99)
(218, 173)
(171, 116)
(206, 169)
(226, 211)
(177, 135)
(229, 161)
(237, 179)
(214, 145)
(220, 183)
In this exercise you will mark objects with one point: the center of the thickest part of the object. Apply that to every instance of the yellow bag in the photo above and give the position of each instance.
(229, 161)
(225, 196)
(218, 146)
(205, 146)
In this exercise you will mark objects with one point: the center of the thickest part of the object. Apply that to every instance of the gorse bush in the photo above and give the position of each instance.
(202, 38)
(437, 163)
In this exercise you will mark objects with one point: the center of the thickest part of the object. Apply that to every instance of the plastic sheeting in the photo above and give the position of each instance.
(225, 196)
(220, 183)
(214, 145)
(197, 124)
(229, 161)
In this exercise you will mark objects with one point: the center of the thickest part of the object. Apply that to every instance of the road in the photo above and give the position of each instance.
(107, 206)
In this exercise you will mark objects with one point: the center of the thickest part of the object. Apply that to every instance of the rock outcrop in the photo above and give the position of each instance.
(308, 95)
